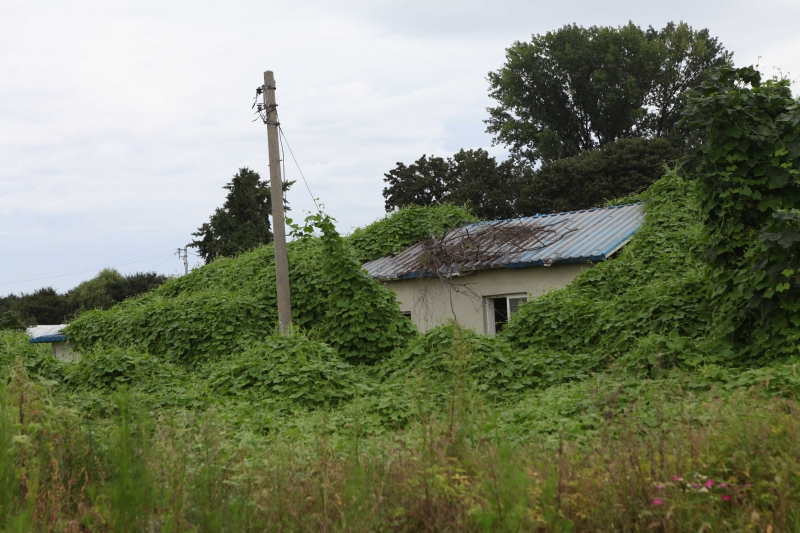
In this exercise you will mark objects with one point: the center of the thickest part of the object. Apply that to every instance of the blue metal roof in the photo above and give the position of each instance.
(47, 333)
(49, 338)
(584, 236)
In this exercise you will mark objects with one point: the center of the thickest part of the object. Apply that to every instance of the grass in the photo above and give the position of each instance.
(602, 454)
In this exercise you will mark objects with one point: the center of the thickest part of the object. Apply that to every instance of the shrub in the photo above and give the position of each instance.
(289, 367)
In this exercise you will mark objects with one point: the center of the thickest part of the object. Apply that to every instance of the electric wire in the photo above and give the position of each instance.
(165, 260)
(289, 146)
(65, 273)
(283, 162)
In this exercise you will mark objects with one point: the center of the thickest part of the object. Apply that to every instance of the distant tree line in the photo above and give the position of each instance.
(587, 115)
(47, 306)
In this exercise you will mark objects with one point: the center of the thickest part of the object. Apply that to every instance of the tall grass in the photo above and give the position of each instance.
(733, 468)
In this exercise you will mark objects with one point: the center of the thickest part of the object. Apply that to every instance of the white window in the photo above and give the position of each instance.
(499, 309)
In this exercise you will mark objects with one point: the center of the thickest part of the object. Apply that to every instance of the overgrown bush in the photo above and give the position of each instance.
(404, 227)
(229, 303)
(655, 286)
(112, 367)
(748, 171)
(36, 358)
(362, 317)
(289, 367)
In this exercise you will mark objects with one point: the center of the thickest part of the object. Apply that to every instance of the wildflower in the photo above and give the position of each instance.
(659, 486)
(708, 484)
(726, 497)
(677, 478)
(658, 501)
(722, 485)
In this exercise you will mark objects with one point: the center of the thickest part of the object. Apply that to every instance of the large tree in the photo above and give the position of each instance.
(471, 177)
(576, 89)
(242, 223)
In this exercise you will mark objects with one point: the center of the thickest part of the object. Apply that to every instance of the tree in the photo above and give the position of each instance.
(688, 58)
(489, 189)
(471, 177)
(135, 284)
(425, 182)
(591, 178)
(11, 320)
(44, 306)
(242, 223)
(577, 89)
(109, 287)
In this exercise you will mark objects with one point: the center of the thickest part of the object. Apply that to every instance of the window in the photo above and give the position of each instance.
(406, 314)
(499, 309)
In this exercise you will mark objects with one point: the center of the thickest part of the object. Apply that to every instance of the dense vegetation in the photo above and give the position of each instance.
(593, 178)
(587, 114)
(47, 306)
(631, 400)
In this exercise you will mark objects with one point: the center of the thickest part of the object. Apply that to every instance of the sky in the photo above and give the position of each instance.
(120, 122)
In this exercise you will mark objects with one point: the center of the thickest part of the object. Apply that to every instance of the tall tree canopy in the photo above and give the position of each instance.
(576, 89)
(242, 223)
(471, 177)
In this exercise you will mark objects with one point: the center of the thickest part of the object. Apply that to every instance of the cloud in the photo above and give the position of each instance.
(121, 121)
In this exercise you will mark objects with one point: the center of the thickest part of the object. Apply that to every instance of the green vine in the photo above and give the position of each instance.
(748, 173)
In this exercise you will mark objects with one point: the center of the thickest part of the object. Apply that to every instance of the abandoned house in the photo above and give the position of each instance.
(480, 273)
(56, 338)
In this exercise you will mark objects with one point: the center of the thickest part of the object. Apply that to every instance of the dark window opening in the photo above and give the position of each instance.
(502, 309)
(500, 313)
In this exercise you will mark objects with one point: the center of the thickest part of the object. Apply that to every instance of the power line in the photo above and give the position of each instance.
(289, 146)
(65, 273)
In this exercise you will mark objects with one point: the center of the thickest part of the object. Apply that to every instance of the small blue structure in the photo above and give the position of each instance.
(56, 337)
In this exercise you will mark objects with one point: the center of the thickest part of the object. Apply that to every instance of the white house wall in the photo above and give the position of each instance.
(432, 302)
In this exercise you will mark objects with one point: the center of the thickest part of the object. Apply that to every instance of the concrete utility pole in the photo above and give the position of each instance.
(276, 185)
(185, 258)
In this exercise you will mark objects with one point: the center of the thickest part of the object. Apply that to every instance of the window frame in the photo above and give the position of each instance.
(489, 309)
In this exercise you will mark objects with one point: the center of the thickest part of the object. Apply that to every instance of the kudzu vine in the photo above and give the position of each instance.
(747, 171)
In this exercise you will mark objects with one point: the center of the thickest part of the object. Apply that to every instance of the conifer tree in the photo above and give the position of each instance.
(242, 223)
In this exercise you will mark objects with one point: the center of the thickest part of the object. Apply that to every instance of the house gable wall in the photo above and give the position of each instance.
(432, 302)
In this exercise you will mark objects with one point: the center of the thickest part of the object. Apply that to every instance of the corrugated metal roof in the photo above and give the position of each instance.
(47, 333)
(572, 237)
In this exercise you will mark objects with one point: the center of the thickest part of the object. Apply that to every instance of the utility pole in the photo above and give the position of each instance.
(276, 185)
(185, 258)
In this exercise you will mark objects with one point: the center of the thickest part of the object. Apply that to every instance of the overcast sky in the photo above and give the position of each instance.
(121, 121)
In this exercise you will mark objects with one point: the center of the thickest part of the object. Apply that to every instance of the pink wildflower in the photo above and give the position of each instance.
(658, 501)
(659, 486)
(677, 478)
(722, 485)
(708, 484)
(726, 497)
